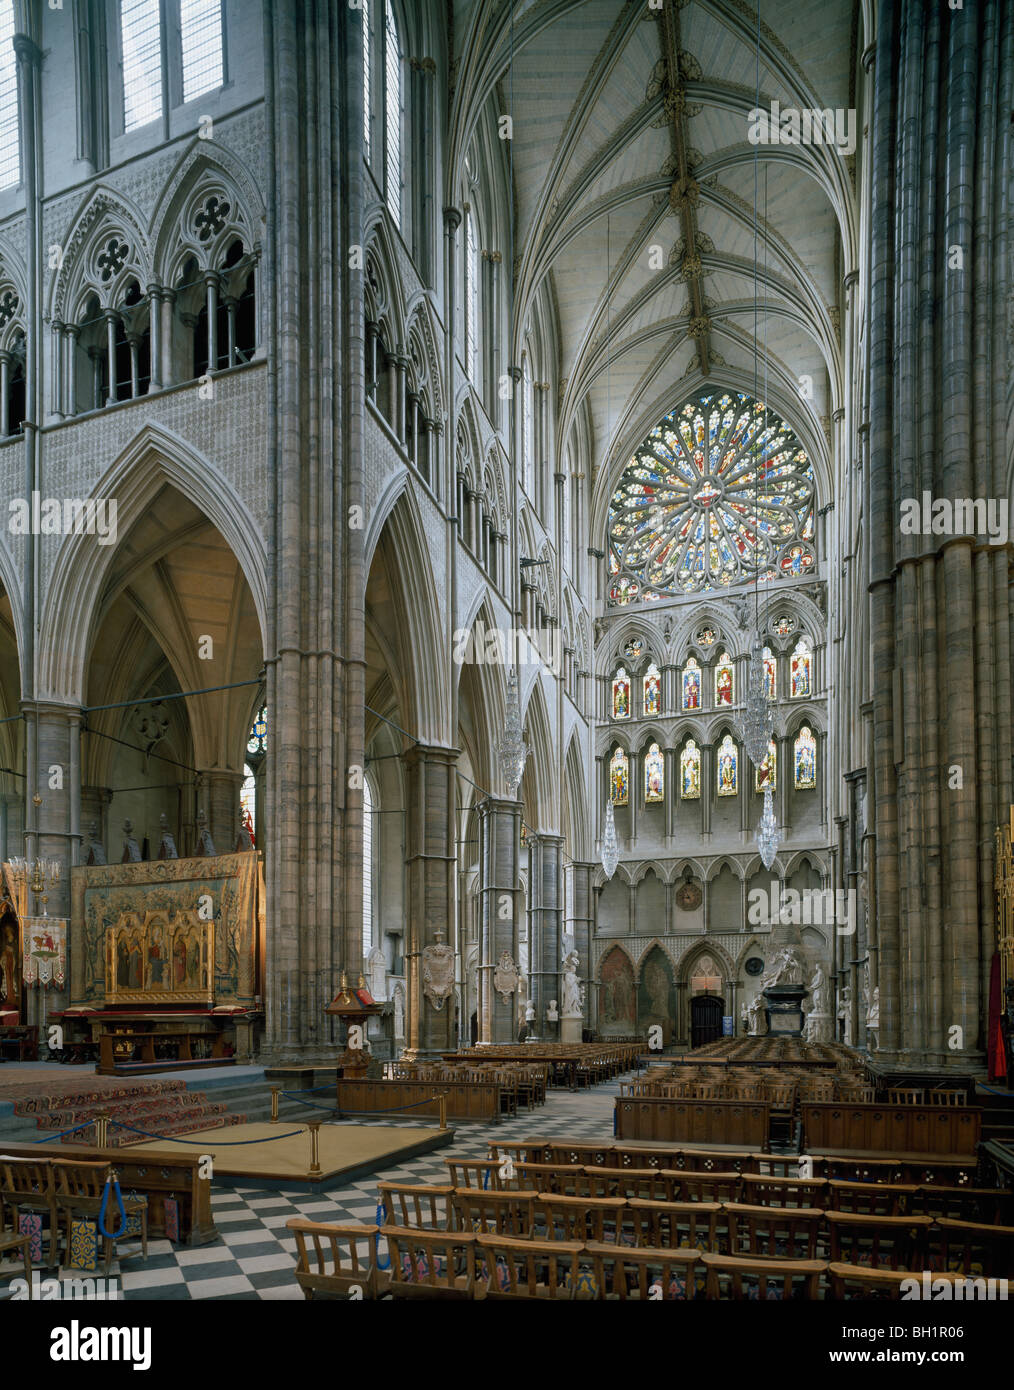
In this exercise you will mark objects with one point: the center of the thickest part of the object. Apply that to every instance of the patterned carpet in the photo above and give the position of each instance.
(162, 1107)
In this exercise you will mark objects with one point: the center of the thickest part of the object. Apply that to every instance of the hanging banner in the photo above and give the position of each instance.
(45, 946)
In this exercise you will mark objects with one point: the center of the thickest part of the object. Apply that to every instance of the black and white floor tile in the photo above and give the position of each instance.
(254, 1257)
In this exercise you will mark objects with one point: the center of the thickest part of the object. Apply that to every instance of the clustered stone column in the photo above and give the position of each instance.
(940, 607)
(431, 863)
(545, 889)
(499, 857)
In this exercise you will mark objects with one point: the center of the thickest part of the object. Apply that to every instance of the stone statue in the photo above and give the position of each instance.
(744, 1018)
(552, 1013)
(756, 1015)
(96, 850)
(530, 1012)
(818, 987)
(572, 992)
(167, 845)
(785, 969)
(873, 1012)
(399, 1012)
(376, 967)
(205, 848)
(131, 851)
(845, 1014)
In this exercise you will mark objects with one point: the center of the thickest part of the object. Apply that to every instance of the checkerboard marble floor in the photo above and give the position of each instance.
(255, 1256)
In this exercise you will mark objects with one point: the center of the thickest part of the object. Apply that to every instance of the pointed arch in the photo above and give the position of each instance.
(200, 173)
(576, 809)
(154, 458)
(104, 216)
(707, 946)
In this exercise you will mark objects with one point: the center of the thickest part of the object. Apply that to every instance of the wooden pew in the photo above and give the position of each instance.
(419, 1206)
(743, 1124)
(331, 1262)
(431, 1264)
(465, 1100)
(646, 1275)
(530, 1269)
(153, 1173)
(850, 1128)
(738, 1277)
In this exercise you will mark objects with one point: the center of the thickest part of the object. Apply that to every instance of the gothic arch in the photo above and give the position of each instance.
(577, 799)
(664, 947)
(422, 351)
(154, 458)
(383, 293)
(104, 250)
(708, 946)
(724, 861)
(216, 166)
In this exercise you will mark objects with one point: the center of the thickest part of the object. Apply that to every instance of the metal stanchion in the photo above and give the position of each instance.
(314, 1128)
(443, 1111)
(274, 1104)
(102, 1129)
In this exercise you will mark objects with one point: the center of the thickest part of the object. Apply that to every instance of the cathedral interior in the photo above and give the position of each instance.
(507, 633)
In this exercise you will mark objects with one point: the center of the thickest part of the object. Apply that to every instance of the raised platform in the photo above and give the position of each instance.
(346, 1152)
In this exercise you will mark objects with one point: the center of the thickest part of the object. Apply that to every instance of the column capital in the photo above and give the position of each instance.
(452, 219)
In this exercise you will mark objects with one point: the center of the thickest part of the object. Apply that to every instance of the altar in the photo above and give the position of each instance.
(167, 957)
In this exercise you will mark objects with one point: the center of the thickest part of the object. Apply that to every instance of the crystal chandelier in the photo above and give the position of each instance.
(768, 834)
(757, 715)
(610, 848)
(512, 749)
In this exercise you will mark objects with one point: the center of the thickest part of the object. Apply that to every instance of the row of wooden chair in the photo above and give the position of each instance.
(343, 1261)
(62, 1191)
(991, 1206)
(719, 1224)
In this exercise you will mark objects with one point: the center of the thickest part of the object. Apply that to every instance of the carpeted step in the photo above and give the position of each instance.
(124, 1138)
(139, 1107)
(75, 1096)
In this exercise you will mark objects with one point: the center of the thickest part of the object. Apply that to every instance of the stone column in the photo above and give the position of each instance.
(499, 886)
(545, 893)
(218, 795)
(315, 644)
(431, 867)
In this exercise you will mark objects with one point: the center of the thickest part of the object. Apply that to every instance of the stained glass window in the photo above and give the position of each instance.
(654, 775)
(765, 777)
(805, 759)
(706, 637)
(784, 625)
(802, 670)
(619, 778)
(392, 114)
(720, 491)
(10, 134)
(621, 695)
(690, 772)
(258, 739)
(652, 691)
(723, 681)
(248, 801)
(471, 294)
(728, 767)
(691, 698)
(634, 648)
(367, 82)
(770, 673)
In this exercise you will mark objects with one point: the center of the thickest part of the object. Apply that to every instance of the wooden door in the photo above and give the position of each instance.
(705, 1019)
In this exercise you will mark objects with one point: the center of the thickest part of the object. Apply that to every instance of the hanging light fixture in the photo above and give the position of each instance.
(512, 749)
(758, 717)
(768, 835)
(610, 847)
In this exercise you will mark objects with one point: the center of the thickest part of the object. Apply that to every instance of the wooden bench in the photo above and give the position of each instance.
(849, 1128)
(431, 1264)
(882, 1242)
(465, 1100)
(647, 1275)
(791, 1233)
(743, 1123)
(156, 1174)
(422, 1207)
(530, 1269)
(739, 1277)
(189, 1046)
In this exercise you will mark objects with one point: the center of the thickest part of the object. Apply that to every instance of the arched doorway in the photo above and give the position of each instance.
(705, 1019)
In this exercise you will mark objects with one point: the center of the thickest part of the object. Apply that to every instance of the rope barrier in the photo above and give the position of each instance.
(219, 1143)
(112, 1181)
(48, 1139)
(388, 1110)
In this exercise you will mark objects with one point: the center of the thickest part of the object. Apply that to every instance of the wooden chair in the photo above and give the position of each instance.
(653, 1184)
(946, 1097)
(906, 1095)
(581, 1219)
(675, 1225)
(422, 1207)
(967, 1247)
(569, 1179)
(78, 1191)
(709, 1187)
(431, 1264)
(988, 1205)
(13, 1240)
(882, 1242)
(871, 1198)
(784, 1233)
(848, 1282)
(760, 1190)
(644, 1274)
(736, 1277)
(330, 1263)
(26, 1184)
(501, 1213)
(483, 1173)
(531, 1269)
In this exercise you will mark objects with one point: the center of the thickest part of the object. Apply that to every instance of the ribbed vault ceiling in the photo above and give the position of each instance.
(631, 133)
